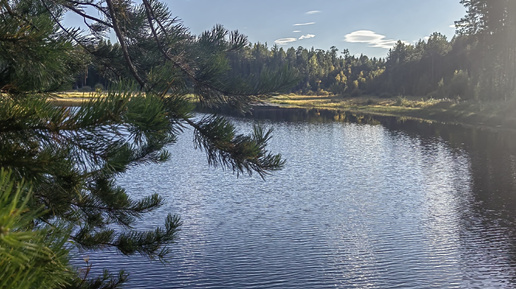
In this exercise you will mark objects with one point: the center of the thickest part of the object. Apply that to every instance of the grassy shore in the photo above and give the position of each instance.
(71, 98)
(500, 115)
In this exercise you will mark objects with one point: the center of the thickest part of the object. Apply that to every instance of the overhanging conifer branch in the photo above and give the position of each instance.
(123, 44)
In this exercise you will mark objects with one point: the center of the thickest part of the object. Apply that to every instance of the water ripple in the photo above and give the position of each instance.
(357, 206)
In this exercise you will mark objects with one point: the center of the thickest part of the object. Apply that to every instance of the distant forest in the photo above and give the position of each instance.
(478, 63)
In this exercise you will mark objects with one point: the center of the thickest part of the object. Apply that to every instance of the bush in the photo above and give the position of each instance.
(323, 92)
(99, 87)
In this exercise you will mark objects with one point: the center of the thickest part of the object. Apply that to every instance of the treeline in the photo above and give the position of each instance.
(435, 67)
(318, 71)
(460, 68)
(478, 63)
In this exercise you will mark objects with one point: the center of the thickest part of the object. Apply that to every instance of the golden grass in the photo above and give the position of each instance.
(496, 115)
(72, 98)
(363, 102)
(74, 94)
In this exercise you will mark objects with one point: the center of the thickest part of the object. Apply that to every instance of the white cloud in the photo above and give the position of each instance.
(307, 36)
(284, 41)
(313, 12)
(370, 37)
(304, 24)
(297, 31)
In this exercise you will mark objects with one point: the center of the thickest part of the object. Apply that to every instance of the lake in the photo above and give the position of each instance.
(392, 204)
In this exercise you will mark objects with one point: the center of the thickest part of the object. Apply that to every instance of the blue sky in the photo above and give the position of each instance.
(362, 26)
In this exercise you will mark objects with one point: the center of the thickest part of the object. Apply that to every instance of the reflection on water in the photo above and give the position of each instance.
(390, 205)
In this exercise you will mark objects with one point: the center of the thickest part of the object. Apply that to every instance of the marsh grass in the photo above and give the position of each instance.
(76, 98)
(73, 98)
(494, 115)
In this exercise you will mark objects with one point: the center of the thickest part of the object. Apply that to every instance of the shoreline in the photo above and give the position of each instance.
(500, 116)
(493, 116)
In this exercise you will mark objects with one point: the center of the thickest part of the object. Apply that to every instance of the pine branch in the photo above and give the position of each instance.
(72, 156)
(105, 281)
(240, 153)
(29, 257)
(81, 12)
(72, 34)
(123, 45)
(148, 243)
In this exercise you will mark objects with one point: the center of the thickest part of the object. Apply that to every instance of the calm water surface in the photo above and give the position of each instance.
(357, 206)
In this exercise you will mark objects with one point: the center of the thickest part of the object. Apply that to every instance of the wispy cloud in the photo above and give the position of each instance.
(307, 36)
(370, 37)
(297, 31)
(313, 12)
(285, 41)
(304, 24)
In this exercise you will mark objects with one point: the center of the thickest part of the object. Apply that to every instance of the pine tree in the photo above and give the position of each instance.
(72, 156)
(493, 25)
(34, 54)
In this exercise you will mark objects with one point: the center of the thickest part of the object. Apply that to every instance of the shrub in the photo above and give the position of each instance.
(99, 87)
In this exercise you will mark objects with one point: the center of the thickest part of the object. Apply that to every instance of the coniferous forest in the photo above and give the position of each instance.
(478, 63)
(59, 164)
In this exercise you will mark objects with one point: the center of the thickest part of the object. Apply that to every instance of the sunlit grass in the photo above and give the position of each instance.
(75, 94)
(363, 101)
(494, 114)
(75, 98)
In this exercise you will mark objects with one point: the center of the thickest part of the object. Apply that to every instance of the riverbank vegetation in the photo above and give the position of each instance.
(59, 164)
(494, 114)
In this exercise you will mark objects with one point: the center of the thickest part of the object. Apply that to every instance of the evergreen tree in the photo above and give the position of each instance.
(34, 53)
(71, 156)
(493, 25)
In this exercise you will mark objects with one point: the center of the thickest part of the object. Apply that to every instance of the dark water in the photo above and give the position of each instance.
(392, 205)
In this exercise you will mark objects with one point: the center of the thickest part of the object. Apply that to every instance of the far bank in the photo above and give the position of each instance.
(492, 115)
